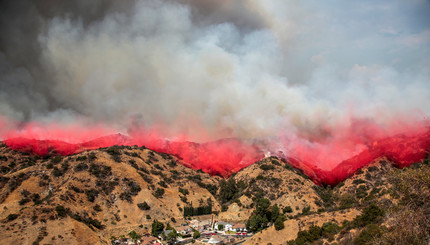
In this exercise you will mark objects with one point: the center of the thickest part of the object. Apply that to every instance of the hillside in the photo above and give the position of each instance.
(89, 197)
(380, 204)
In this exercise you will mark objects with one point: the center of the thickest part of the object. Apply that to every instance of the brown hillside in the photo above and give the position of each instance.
(100, 191)
(89, 197)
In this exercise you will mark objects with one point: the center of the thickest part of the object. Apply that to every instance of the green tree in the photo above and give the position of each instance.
(260, 217)
(134, 236)
(262, 205)
(196, 234)
(172, 236)
(157, 227)
(279, 222)
(275, 213)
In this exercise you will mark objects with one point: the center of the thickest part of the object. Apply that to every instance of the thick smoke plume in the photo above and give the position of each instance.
(317, 84)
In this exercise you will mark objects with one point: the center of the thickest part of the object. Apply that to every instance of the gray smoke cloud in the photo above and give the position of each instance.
(234, 68)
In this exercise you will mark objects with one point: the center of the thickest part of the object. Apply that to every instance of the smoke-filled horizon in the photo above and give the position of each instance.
(325, 77)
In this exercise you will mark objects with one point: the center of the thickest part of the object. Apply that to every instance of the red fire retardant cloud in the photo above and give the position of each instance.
(327, 160)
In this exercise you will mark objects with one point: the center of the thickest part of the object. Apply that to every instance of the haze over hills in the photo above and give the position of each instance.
(227, 156)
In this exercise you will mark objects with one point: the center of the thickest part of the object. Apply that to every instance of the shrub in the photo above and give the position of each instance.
(91, 194)
(146, 178)
(347, 201)
(266, 167)
(371, 214)
(279, 222)
(90, 222)
(184, 199)
(303, 237)
(371, 232)
(212, 188)
(361, 191)
(100, 171)
(11, 217)
(228, 190)
(56, 159)
(315, 232)
(65, 166)
(106, 186)
(81, 158)
(133, 164)
(97, 208)
(358, 181)
(306, 210)
(115, 153)
(80, 167)
(133, 187)
(61, 211)
(171, 163)
(260, 177)
(92, 156)
(113, 150)
(56, 172)
(174, 172)
(4, 169)
(24, 201)
(162, 184)
(143, 206)
(183, 191)
(326, 195)
(36, 199)
(287, 209)
(329, 229)
(158, 193)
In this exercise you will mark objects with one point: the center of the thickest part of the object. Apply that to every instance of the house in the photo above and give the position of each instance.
(149, 241)
(184, 230)
(196, 223)
(131, 242)
(227, 226)
(239, 227)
